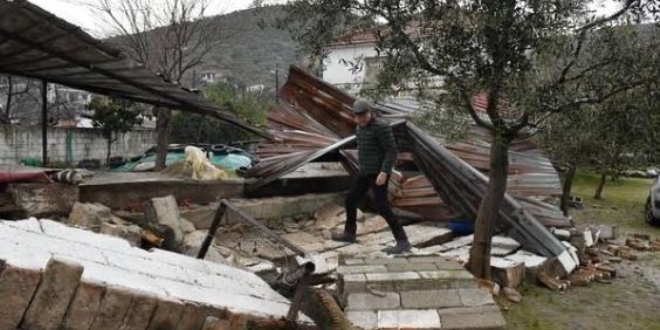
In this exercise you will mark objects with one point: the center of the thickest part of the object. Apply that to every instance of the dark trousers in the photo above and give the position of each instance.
(360, 188)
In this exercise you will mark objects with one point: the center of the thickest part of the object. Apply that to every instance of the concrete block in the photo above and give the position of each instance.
(193, 317)
(475, 297)
(354, 261)
(353, 283)
(90, 215)
(167, 314)
(409, 319)
(446, 274)
(369, 301)
(361, 269)
(17, 287)
(114, 306)
(165, 211)
(411, 267)
(139, 311)
(469, 318)
(449, 265)
(387, 261)
(367, 320)
(84, 306)
(391, 277)
(427, 299)
(58, 286)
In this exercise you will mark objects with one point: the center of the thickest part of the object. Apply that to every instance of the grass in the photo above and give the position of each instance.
(629, 301)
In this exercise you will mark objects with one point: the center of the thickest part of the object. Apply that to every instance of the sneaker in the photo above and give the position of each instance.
(343, 237)
(400, 247)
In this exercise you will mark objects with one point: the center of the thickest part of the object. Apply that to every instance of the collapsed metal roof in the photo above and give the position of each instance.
(36, 44)
(314, 119)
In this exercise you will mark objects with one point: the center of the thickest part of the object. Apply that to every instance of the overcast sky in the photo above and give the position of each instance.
(80, 13)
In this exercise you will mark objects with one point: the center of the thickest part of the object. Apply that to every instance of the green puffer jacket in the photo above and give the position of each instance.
(376, 148)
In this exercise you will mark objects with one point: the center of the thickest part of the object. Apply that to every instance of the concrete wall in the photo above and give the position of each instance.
(20, 142)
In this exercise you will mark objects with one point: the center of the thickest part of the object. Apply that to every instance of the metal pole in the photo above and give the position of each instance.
(44, 123)
(211, 233)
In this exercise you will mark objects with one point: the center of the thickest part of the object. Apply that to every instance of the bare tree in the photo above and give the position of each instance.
(13, 90)
(170, 38)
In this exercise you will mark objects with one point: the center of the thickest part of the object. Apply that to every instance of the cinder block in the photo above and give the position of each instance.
(53, 296)
(17, 287)
(84, 306)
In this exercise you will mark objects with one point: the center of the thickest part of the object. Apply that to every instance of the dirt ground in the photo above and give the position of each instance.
(629, 301)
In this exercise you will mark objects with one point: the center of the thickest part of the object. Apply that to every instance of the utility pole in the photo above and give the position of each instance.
(44, 123)
(277, 83)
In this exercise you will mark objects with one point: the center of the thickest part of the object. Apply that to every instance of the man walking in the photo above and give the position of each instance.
(377, 152)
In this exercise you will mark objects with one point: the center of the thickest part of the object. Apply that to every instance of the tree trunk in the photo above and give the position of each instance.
(10, 94)
(163, 128)
(601, 185)
(568, 184)
(107, 156)
(489, 209)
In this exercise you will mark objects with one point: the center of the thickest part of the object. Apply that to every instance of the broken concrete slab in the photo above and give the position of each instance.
(53, 296)
(165, 211)
(38, 200)
(201, 216)
(17, 287)
(90, 215)
(131, 233)
(84, 306)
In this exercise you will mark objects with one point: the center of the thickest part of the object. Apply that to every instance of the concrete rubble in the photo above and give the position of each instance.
(58, 277)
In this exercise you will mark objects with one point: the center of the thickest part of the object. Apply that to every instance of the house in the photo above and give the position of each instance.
(353, 63)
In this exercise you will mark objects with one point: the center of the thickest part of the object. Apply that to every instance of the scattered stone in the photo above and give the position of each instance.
(40, 200)
(512, 294)
(50, 302)
(131, 233)
(187, 227)
(607, 232)
(506, 272)
(553, 283)
(90, 215)
(165, 211)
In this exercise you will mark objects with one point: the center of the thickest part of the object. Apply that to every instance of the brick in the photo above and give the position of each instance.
(58, 285)
(367, 320)
(193, 317)
(17, 287)
(167, 314)
(114, 306)
(411, 267)
(430, 299)
(369, 301)
(409, 319)
(391, 277)
(475, 297)
(139, 312)
(84, 306)
(361, 269)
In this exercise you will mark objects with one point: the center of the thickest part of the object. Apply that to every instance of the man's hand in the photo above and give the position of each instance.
(381, 179)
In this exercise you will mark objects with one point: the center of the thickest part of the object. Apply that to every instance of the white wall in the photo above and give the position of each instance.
(335, 72)
(20, 142)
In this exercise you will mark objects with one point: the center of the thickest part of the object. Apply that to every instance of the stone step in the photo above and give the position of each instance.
(402, 274)
(481, 318)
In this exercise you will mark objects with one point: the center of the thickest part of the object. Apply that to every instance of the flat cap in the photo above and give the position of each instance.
(361, 106)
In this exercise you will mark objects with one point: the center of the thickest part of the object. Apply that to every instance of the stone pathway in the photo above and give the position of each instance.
(415, 292)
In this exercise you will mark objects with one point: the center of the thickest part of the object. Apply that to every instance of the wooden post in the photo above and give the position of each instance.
(44, 123)
(214, 227)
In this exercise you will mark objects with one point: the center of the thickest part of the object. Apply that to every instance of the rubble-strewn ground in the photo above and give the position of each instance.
(630, 301)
